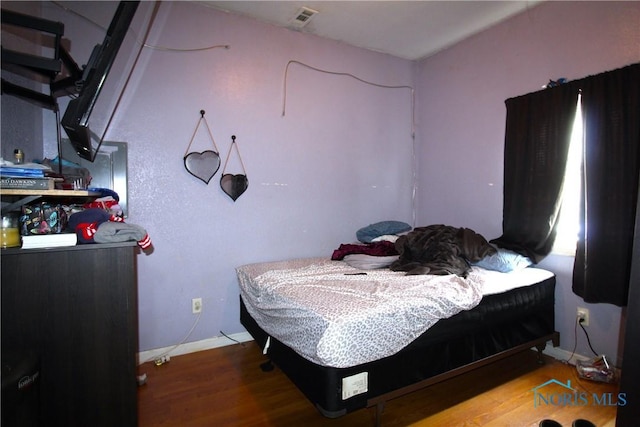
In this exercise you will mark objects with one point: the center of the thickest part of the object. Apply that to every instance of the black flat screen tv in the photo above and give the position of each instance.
(76, 120)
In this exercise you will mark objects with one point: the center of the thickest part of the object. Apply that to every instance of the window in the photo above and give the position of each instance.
(569, 221)
(536, 149)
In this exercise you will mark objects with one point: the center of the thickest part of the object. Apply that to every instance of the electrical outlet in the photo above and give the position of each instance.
(583, 316)
(196, 305)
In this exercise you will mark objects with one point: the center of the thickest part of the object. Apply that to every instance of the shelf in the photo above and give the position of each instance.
(23, 197)
(43, 193)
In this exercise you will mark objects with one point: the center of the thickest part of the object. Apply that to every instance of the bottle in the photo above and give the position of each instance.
(19, 156)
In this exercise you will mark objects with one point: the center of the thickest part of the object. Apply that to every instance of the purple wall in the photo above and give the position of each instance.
(340, 158)
(21, 121)
(461, 116)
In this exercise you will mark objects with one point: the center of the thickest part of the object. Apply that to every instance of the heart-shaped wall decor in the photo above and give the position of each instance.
(234, 185)
(202, 165)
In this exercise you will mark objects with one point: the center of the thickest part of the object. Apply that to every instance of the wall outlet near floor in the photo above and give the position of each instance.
(583, 316)
(196, 305)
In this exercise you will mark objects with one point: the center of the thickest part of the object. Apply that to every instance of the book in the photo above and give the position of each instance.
(34, 241)
(11, 171)
(27, 183)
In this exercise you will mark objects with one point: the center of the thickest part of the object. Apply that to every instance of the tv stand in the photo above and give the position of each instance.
(48, 68)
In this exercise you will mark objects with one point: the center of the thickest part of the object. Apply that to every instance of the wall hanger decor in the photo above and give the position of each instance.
(234, 185)
(205, 164)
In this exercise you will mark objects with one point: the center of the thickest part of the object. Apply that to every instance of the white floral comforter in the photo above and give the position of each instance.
(333, 317)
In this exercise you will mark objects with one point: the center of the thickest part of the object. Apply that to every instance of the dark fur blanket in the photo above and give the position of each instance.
(440, 250)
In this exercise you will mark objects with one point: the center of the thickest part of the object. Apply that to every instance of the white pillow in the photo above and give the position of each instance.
(504, 261)
(369, 262)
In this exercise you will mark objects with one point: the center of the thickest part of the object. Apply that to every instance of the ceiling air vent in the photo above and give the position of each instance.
(303, 16)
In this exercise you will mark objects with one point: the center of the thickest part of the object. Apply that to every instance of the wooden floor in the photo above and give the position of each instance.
(225, 387)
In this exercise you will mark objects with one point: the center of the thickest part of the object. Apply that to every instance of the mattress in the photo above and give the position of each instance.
(503, 323)
(355, 317)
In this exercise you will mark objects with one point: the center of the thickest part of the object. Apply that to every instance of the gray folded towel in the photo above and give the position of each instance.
(112, 232)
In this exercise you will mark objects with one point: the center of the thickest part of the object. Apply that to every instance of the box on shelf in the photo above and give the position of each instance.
(34, 241)
(43, 218)
(27, 183)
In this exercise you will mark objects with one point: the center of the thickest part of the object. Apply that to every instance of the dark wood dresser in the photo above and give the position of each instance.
(76, 309)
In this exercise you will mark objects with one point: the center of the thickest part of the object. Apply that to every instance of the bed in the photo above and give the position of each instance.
(370, 335)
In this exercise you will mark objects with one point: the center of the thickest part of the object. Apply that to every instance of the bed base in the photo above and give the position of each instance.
(380, 401)
(537, 326)
(500, 326)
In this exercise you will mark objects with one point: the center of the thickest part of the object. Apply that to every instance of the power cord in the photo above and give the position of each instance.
(587, 335)
(575, 341)
(598, 368)
(579, 322)
(137, 38)
(232, 339)
(164, 357)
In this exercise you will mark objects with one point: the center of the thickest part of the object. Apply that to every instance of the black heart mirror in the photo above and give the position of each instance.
(234, 185)
(205, 164)
(202, 165)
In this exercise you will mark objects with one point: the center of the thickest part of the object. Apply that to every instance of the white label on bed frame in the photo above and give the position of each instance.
(266, 345)
(355, 384)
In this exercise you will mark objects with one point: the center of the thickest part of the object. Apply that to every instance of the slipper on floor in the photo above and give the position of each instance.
(583, 423)
(549, 423)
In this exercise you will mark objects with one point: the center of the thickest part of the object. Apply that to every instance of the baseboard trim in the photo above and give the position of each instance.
(221, 341)
(563, 355)
(192, 347)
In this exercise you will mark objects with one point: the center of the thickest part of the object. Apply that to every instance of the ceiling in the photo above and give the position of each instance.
(406, 29)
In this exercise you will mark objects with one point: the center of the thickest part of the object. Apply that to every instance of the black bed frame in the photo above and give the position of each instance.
(451, 347)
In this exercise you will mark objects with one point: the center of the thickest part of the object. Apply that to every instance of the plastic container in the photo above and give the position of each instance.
(597, 369)
(10, 233)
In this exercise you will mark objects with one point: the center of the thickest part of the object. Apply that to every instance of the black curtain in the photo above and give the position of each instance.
(611, 111)
(537, 137)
